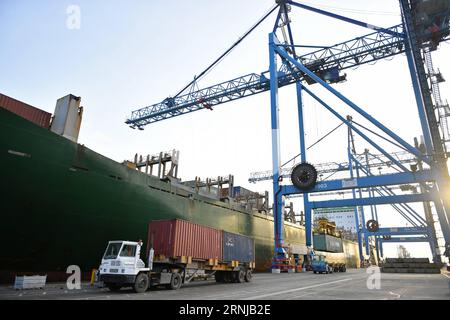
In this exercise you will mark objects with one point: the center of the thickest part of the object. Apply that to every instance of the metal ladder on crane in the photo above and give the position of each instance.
(442, 108)
(443, 113)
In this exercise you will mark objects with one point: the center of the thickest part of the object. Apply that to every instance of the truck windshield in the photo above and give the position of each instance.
(112, 251)
(128, 251)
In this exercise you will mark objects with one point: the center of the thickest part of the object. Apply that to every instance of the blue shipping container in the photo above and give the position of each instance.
(238, 248)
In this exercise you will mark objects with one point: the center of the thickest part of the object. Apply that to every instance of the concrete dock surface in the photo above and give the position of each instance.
(355, 284)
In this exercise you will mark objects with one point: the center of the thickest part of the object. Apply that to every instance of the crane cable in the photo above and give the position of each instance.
(380, 136)
(218, 60)
(315, 143)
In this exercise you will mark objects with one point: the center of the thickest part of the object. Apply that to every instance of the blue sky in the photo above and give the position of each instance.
(131, 54)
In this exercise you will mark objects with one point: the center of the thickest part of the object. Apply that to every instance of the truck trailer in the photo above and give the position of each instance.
(178, 252)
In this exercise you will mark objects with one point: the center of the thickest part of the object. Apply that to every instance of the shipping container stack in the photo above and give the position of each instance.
(35, 115)
(410, 265)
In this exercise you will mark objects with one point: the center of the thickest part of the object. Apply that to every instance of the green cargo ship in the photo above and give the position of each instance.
(61, 202)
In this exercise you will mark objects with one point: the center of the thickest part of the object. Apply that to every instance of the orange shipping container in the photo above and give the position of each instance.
(177, 238)
(35, 115)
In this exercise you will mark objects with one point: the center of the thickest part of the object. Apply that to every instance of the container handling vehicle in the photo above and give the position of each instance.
(171, 264)
(320, 265)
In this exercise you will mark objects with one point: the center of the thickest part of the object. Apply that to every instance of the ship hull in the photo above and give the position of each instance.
(61, 203)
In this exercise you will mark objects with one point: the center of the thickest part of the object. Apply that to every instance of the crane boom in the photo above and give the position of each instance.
(377, 161)
(369, 48)
(326, 62)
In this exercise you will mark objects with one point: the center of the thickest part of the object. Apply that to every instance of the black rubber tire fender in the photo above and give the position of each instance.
(372, 226)
(304, 176)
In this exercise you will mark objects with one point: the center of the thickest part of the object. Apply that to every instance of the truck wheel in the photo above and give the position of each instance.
(141, 283)
(248, 276)
(240, 276)
(113, 287)
(175, 283)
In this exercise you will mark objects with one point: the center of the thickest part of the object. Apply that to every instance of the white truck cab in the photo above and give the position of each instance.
(122, 266)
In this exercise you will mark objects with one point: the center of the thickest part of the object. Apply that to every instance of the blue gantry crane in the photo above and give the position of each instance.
(424, 25)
